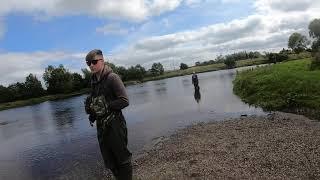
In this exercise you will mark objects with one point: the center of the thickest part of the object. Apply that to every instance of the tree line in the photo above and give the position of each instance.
(59, 80)
(137, 72)
(230, 59)
(298, 43)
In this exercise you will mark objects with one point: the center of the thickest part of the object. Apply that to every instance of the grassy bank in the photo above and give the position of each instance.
(286, 86)
(38, 100)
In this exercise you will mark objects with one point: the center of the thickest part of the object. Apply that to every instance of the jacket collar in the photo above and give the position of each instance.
(105, 71)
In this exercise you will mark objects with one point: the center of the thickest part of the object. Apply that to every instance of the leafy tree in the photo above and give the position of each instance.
(123, 73)
(314, 32)
(135, 72)
(77, 82)
(33, 86)
(316, 61)
(211, 62)
(282, 57)
(112, 66)
(314, 29)
(17, 91)
(315, 45)
(277, 57)
(230, 63)
(87, 77)
(272, 57)
(220, 59)
(252, 55)
(297, 42)
(5, 95)
(58, 80)
(141, 71)
(157, 69)
(183, 66)
(48, 74)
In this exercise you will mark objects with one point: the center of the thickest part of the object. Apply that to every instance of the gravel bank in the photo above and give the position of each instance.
(279, 146)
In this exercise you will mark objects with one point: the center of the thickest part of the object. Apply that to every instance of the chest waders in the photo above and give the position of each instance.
(112, 135)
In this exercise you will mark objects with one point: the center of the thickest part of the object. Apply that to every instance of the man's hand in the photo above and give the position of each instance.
(91, 119)
(87, 103)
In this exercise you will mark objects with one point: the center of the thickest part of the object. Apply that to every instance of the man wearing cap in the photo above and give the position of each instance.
(108, 97)
(195, 80)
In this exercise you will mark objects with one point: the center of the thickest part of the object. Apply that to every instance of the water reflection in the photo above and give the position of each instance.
(160, 88)
(197, 94)
(63, 114)
(53, 139)
(186, 83)
(40, 118)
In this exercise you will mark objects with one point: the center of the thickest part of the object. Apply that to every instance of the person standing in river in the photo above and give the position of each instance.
(195, 81)
(108, 97)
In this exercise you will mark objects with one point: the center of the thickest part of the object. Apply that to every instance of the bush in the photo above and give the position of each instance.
(230, 63)
(277, 57)
(315, 64)
(282, 57)
(183, 66)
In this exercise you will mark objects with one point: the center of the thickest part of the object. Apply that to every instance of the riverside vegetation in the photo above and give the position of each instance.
(288, 86)
(291, 86)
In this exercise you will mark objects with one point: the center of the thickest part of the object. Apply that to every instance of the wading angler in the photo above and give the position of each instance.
(108, 97)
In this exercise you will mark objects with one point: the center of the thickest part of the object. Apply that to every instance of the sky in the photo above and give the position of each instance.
(35, 34)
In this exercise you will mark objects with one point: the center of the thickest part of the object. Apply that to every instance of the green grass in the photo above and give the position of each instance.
(38, 100)
(288, 85)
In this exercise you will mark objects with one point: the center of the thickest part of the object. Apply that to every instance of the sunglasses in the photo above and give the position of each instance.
(94, 62)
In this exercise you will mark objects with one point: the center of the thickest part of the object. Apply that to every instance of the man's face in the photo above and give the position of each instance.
(97, 64)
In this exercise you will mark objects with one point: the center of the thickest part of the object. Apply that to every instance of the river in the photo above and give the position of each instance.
(53, 140)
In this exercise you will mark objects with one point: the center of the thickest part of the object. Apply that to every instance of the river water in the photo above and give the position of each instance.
(53, 140)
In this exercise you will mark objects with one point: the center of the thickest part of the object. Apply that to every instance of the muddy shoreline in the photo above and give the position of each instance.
(277, 146)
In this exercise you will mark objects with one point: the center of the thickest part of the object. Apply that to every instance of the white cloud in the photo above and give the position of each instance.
(112, 29)
(16, 66)
(284, 5)
(212, 34)
(230, 1)
(133, 10)
(192, 2)
(267, 29)
(157, 7)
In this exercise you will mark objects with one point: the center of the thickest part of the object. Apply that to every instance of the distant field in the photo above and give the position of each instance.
(207, 68)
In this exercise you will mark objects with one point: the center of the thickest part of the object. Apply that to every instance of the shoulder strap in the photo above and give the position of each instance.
(99, 83)
(103, 78)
